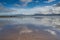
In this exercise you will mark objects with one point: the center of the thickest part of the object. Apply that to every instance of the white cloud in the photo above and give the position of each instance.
(51, 31)
(31, 11)
(17, 5)
(3, 9)
(25, 30)
(49, 1)
(6, 11)
(56, 10)
(39, 10)
(25, 2)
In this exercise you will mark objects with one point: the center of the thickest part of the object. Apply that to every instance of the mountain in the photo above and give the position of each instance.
(22, 15)
(46, 15)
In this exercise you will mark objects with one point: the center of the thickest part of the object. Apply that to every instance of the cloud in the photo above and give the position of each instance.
(3, 8)
(57, 5)
(5, 11)
(25, 30)
(39, 10)
(36, 10)
(56, 10)
(30, 11)
(51, 31)
(17, 5)
(25, 2)
(49, 1)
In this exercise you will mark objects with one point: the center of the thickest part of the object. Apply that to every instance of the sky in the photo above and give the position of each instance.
(29, 7)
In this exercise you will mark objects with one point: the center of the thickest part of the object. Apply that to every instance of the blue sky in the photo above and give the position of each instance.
(11, 7)
(32, 3)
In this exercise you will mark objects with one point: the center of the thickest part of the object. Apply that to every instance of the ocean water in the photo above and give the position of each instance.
(13, 28)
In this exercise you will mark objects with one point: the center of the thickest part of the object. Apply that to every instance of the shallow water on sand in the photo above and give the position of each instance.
(30, 28)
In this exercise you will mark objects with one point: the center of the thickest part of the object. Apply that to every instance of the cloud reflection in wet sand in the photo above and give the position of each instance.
(29, 29)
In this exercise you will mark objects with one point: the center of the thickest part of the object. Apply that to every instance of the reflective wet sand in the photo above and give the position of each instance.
(30, 28)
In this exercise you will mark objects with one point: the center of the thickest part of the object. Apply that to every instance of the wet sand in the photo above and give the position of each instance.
(29, 29)
(17, 34)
